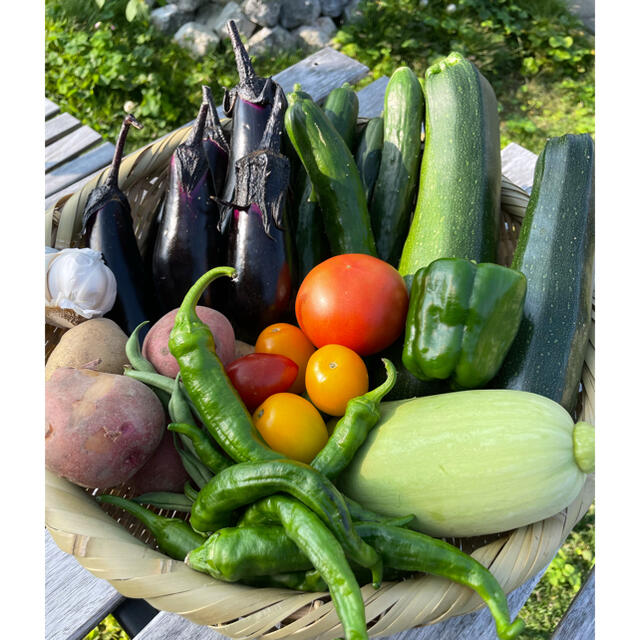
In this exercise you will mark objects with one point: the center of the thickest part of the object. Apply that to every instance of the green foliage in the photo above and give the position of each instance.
(536, 55)
(97, 61)
(561, 581)
(108, 629)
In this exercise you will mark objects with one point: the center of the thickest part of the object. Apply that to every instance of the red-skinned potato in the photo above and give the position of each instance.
(100, 428)
(163, 471)
(155, 347)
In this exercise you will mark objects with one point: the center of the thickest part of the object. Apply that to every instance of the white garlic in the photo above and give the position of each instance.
(79, 280)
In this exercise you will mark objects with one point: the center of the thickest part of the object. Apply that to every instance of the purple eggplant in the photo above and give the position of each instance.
(258, 239)
(107, 227)
(188, 242)
(249, 105)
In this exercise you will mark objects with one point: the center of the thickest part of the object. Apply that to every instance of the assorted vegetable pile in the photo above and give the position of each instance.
(297, 364)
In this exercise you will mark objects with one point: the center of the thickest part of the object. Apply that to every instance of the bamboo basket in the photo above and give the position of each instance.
(118, 549)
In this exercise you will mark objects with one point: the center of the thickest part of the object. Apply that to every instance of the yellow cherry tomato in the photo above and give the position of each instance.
(287, 340)
(292, 426)
(334, 375)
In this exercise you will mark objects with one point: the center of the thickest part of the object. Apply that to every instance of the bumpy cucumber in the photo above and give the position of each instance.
(458, 205)
(395, 189)
(334, 175)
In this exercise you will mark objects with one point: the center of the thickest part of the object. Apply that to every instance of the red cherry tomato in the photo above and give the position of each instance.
(354, 300)
(257, 376)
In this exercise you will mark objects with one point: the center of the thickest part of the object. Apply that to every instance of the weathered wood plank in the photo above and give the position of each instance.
(578, 623)
(75, 600)
(69, 147)
(371, 98)
(320, 72)
(50, 108)
(76, 169)
(518, 164)
(59, 126)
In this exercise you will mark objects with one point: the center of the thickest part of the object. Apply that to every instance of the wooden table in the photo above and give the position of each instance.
(76, 601)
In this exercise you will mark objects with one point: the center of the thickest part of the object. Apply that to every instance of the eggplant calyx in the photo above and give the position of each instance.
(251, 87)
(189, 158)
(128, 121)
(213, 128)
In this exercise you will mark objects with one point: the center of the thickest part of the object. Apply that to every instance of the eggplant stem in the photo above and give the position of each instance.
(273, 130)
(246, 71)
(213, 121)
(197, 131)
(129, 120)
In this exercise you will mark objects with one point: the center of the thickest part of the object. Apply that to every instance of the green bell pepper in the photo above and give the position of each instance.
(462, 320)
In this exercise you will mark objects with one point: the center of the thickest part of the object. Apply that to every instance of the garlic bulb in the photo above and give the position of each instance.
(79, 280)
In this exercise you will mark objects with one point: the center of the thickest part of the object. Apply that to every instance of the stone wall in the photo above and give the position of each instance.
(265, 25)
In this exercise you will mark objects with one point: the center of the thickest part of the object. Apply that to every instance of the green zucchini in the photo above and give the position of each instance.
(471, 462)
(312, 245)
(458, 207)
(368, 154)
(334, 175)
(555, 251)
(395, 188)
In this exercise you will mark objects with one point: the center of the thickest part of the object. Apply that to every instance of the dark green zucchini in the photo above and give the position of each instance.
(312, 245)
(555, 251)
(458, 207)
(334, 175)
(395, 188)
(368, 154)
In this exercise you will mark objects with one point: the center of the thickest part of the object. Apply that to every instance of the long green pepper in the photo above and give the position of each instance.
(412, 551)
(243, 484)
(217, 403)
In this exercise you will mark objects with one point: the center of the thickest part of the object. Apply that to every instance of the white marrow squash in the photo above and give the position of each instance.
(471, 462)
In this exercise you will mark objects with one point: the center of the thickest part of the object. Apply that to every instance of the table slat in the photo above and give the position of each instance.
(578, 622)
(75, 600)
(50, 108)
(321, 72)
(81, 167)
(69, 147)
(59, 126)
(371, 98)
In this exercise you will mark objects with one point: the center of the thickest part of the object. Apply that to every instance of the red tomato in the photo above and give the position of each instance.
(354, 300)
(257, 376)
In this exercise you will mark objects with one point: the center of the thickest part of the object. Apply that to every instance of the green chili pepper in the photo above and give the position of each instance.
(233, 553)
(461, 321)
(246, 482)
(218, 404)
(358, 512)
(325, 553)
(361, 415)
(196, 469)
(206, 452)
(412, 551)
(166, 500)
(173, 535)
(310, 581)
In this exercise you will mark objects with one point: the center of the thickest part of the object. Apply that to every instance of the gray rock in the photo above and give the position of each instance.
(352, 11)
(190, 5)
(311, 38)
(294, 13)
(326, 24)
(197, 38)
(232, 11)
(207, 14)
(270, 39)
(333, 8)
(169, 18)
(262, 12)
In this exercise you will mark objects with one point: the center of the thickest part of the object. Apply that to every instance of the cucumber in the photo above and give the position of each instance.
(555, 251)
(368, 154)
(395, 188)
(458, 207)
(334, 175)
(471, 462)
(312, 245)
